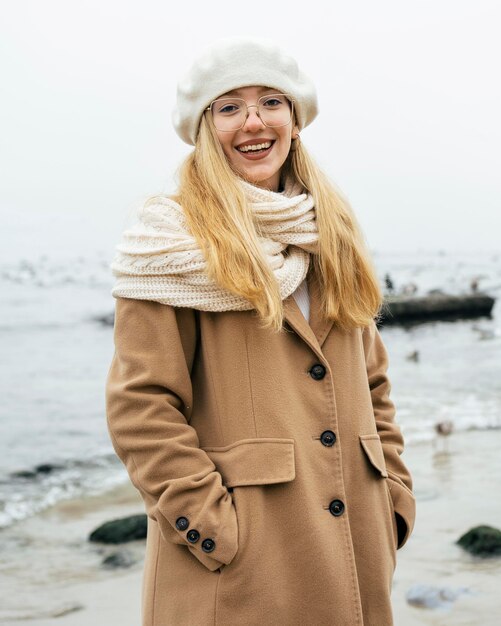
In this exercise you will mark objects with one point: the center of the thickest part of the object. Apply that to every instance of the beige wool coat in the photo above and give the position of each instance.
(269, 464)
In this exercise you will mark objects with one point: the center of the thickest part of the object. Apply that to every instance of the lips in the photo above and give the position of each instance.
(254, 154)
(254, 142)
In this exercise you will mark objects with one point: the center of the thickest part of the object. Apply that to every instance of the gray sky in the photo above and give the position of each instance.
(409, 96)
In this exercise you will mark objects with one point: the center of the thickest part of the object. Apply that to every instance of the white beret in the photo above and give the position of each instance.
(236, 62)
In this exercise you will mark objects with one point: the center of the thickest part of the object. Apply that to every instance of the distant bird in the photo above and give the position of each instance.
(389, 283)
(444, 429)
(413, 356)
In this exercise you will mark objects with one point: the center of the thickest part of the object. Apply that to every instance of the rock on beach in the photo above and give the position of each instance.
(484, 541)
(121, 530)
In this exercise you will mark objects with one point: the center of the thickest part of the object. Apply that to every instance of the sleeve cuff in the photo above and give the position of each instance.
(224, 539)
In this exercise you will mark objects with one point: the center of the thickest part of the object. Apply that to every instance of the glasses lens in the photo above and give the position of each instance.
(275, 109)
(228, 113)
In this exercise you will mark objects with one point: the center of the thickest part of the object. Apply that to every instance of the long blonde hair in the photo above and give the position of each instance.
(221, 222)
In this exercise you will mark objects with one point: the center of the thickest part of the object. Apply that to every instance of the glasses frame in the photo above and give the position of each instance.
(268, 95)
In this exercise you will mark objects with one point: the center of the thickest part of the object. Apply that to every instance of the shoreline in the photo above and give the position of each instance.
(456, 483)
(77, 589)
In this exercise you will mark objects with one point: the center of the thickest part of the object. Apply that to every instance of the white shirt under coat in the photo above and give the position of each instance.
(302, 298)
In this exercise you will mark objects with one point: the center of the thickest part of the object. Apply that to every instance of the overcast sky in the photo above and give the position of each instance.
(409, 124)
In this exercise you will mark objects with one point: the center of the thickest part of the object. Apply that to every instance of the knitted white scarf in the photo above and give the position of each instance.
(158, 259)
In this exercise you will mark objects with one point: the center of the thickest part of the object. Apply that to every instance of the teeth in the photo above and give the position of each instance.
(258, 146)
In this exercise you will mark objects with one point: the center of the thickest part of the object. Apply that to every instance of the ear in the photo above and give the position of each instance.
(295, 132)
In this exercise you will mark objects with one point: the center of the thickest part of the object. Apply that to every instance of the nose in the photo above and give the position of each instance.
(253, 122)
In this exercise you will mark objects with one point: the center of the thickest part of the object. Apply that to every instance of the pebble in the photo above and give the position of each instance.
(430, 597)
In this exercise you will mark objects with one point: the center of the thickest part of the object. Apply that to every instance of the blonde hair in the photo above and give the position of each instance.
(221, 222)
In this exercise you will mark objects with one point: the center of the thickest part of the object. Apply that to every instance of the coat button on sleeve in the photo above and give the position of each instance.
(182, 523)
(193, 535)
(208, 545)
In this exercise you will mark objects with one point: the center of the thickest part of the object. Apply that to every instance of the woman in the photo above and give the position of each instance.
(248, 395)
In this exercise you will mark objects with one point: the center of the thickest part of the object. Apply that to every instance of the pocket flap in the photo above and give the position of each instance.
(260, 461)
(374, 451)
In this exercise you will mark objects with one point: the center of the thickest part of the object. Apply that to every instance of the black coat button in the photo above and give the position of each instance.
(182, 523)
(317, 371)
(336, 507)
(208, 545)
(328, 438)
(193, 535)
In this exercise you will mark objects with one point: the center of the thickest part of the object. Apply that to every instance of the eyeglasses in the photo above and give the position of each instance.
(229, 114)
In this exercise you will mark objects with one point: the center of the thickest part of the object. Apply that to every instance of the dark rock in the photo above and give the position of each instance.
(403, 309)
(24, 474)
(121, 530)
(47, 468)
(119, 559)
(43, 468)
(482, 541)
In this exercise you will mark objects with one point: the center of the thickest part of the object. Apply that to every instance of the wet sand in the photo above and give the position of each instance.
(457, 486)
(50, 574)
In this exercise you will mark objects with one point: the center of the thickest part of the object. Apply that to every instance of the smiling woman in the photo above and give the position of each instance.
(255, 130)
(248, 395)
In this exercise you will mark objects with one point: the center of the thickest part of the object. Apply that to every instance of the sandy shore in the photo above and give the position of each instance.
(456, 487)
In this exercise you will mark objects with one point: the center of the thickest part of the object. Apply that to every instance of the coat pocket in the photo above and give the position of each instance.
(260, 461)
(374, 451)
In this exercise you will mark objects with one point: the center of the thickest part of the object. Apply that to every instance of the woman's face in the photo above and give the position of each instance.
(261, 169)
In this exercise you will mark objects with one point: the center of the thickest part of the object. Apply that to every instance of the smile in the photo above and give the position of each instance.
(258, 147)
(257, 151)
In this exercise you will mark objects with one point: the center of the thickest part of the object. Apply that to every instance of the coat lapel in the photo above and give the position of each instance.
(315, 332)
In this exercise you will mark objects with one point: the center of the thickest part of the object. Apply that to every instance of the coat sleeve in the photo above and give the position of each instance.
(389, 432)
(148, 404)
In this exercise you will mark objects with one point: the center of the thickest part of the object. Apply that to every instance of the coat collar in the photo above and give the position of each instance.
(315, 332)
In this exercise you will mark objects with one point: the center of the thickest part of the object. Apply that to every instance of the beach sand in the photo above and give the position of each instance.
(457, 486)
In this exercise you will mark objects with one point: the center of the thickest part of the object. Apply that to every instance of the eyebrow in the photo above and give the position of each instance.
(237, 92)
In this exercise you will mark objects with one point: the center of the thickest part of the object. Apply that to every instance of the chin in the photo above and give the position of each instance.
(257, 177)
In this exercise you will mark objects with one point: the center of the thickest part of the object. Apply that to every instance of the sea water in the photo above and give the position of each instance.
(56, 355)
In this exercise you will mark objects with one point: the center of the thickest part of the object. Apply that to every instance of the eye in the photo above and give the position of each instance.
(228, 108)
(274, 101)
(225, 107)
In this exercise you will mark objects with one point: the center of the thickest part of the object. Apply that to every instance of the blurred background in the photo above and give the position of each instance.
(408, 128)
